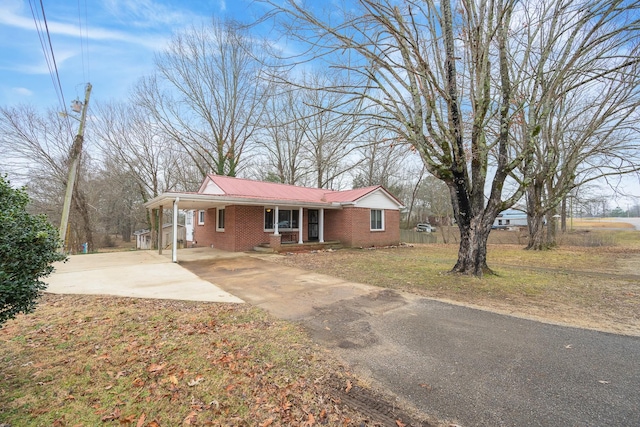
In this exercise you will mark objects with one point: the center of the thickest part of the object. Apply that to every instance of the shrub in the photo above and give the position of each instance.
(28, 248)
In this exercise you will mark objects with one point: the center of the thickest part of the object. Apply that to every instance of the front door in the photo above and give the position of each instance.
(314, 227)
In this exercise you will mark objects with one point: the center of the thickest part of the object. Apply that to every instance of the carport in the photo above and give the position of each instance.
(176, 201)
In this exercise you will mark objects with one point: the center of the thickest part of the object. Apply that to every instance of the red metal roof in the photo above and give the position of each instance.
(245, 188)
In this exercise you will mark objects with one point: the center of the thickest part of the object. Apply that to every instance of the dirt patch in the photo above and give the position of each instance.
(345, 324)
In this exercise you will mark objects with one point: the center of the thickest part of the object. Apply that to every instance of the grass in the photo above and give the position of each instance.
(90, 360)
(593, 287)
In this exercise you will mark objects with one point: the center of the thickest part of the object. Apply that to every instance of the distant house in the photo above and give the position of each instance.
(236, 214)
(511, 218)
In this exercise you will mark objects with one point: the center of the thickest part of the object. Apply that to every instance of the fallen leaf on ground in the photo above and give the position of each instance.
(310, 421)
(190, 419)
(128, 420)
(154, 367)
(197, 380)
(348, 389)
(112, 416)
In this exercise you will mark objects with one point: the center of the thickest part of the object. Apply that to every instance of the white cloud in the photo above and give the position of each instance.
(9, 16)
(148, 13)
(22, 91)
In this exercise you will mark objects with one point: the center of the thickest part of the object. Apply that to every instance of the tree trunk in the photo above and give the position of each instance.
(80, 203)
(535, 223)
(552, 229)
(472, 254)
(563, 213)
(535, 216)
(125, 231)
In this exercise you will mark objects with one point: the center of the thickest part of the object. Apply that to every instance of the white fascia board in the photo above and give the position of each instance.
(205, 201)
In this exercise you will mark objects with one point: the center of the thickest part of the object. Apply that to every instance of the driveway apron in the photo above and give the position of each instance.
(466, 366)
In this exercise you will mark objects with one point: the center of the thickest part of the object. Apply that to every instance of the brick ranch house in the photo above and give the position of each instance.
(237, 215)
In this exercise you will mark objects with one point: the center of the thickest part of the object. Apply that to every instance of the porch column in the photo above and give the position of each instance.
(321, 226)
(160, 227)
(300, 223)
(154, 228)
(275, 221)
(174, 243)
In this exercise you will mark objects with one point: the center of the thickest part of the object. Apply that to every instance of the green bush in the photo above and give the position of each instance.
(28, 247)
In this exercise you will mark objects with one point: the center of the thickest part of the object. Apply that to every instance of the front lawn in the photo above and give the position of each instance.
(92, 361)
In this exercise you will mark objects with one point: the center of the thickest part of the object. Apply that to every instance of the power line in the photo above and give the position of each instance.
(49, 55)
(84, 41)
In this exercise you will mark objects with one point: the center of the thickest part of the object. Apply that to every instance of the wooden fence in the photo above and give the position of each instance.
(410, 236)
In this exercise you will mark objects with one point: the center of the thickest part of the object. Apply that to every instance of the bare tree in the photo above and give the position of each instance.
(575, 68)
(36, 150)
(428, 67)
(208, 94)
(131, 142)
(284, 136)
(332, 130)
(384, 159)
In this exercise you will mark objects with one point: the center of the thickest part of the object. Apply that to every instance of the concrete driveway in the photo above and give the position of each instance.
(472, 367)
(139, 274)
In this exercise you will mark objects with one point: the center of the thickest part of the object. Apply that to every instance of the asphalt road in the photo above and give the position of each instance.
(477, 368)
(466, 366)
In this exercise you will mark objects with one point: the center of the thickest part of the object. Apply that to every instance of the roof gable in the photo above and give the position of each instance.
(209, 187)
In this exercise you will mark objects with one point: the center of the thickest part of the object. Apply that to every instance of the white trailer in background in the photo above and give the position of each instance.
(510, 219)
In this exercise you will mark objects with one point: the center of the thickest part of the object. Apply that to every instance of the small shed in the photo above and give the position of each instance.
(143, 237)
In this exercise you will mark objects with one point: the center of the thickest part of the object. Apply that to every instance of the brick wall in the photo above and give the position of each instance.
(249, 227)
(338, 225)
(244, 228)
(352, 227)
(204, 235)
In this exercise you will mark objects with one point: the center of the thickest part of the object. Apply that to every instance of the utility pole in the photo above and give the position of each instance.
(76, 151)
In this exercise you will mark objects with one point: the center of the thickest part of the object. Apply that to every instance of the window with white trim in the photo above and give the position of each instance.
(288, 219)
(200, 217)
(220, 224)
(377, 220)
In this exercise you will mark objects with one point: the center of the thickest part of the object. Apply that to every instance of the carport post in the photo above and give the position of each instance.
(154, 228)
(300, 222)
(321, 226)
(174, 244)
(160, 227)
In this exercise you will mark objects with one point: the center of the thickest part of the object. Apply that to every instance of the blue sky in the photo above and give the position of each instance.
(114, 48)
